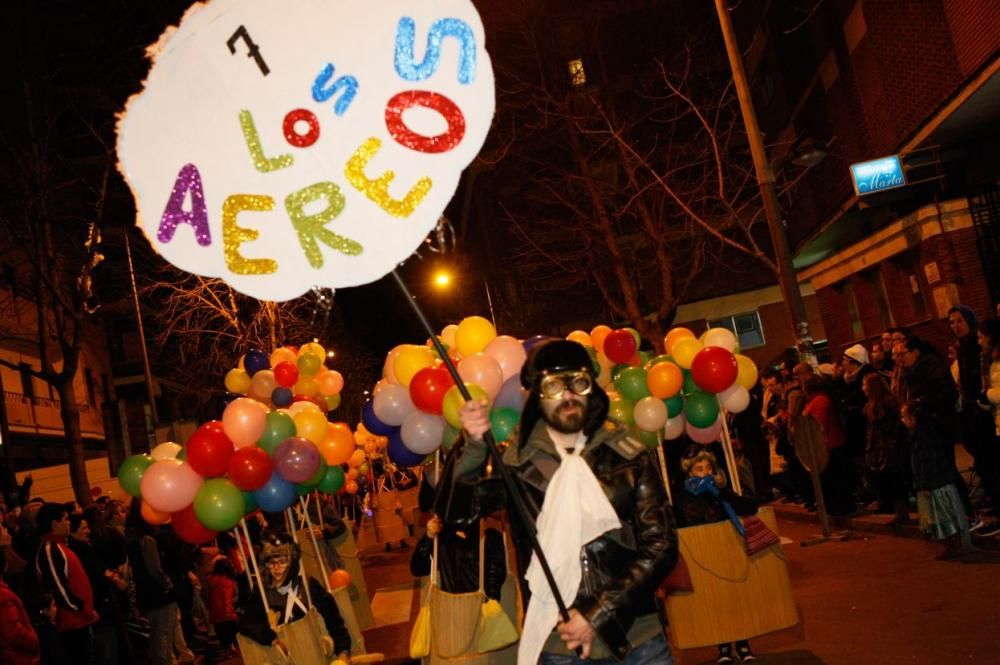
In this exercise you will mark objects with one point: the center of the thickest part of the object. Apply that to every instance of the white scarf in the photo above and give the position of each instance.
(575, 511)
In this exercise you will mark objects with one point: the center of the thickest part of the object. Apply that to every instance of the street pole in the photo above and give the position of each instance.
(765, 178)
(489, 300)
(142, 334)
(9, 478)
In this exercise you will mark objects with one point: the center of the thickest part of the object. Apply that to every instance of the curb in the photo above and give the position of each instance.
(861, 523)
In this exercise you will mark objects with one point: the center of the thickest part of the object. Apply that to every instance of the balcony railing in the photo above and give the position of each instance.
(25, 413)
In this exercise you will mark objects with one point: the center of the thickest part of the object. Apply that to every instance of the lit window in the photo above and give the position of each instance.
(577, 76)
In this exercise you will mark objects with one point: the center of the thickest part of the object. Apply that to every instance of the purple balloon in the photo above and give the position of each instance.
(511, 395)
(296, 459)
(532, 342)
(399, 453)
(372, 423)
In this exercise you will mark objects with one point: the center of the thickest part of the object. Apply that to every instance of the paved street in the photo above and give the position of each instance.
(877, 600)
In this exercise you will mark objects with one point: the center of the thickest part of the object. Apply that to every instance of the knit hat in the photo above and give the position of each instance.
(858, 354)
(968, 315)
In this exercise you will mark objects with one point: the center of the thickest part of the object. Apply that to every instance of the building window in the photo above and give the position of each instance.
(847, 291)
(874, 278)
(909, 267)
(88, 377)
(27, 381)
(577, 75)
(745, 326)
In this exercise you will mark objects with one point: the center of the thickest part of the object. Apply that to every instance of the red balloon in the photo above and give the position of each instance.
(427, 388)
(250, 468)
(209, 450)
(189, 529)
(714, 369)
(286, 373)
(620, 346)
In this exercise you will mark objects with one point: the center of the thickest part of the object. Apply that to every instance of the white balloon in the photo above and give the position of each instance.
(296, 408)
(720, 337)
(674, 427)
(650, 414)
(422, 432)
(735, 398)
(393, 404)
(166, 450)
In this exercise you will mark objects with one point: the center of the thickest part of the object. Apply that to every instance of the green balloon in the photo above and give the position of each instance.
(502, 422)
(279, 427)
(656, 360)
(332, 480)
(219, 504)
(318, 476)
(631, 384)
(616, 371)
(449, 437)
(301, 489)
(249, 503)
(643, 358)
(621, 411)
(308, 364)
(182, 455)
(701, 409)
(130, 473)
(689, 387)
(649, 439)
(674, 404)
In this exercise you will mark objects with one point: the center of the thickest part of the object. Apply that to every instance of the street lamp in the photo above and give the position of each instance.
(443, 279)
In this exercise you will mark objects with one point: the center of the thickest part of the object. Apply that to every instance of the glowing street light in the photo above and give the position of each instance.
(442, 279)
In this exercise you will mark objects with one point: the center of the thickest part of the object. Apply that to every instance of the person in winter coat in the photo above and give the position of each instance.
(221, 591)
(286, 599)
(61, 573)
(458, 558)
(705, 499)
(18, 641)
(154, 590)
(885, 452)
(930, 417)
(836, 478)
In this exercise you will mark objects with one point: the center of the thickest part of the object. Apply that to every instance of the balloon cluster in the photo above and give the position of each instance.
(678, 392)
(260, 454)
(415, 405)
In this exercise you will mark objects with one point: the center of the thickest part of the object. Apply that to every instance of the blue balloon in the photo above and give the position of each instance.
(281, 396)
(400, 454)
(371, 421)
(276, 495)
(256, 360)
(532, 342)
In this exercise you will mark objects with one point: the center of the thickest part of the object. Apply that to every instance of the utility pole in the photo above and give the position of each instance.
(142, 333)
(9, 482)
(765, 178)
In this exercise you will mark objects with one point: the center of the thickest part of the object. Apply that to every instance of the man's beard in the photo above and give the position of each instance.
(561, 420)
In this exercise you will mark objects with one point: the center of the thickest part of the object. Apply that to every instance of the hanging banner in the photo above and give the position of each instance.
(281, 146)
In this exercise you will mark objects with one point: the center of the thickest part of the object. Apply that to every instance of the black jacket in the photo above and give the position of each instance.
(623, 568)
(932, 396)
(255, 625)
(458, 562)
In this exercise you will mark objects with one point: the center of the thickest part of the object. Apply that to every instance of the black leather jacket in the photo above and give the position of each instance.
(458, 562)
(623, 568)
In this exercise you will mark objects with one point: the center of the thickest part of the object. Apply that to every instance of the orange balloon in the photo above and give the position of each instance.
(339, 578)
(338, 445)
(330, 382)
(597, 336)
(352, 474)
(351, 487)
(357, 458)
(152, 515)
(674, 336)
(664, 380)
(580, 337)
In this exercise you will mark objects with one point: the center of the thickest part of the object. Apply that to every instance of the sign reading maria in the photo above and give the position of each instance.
(877, 175)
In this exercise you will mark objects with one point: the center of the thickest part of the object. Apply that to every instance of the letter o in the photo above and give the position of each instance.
(431, 100)
(292, 136)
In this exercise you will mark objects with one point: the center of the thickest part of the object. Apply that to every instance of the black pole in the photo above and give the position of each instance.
(520, 511)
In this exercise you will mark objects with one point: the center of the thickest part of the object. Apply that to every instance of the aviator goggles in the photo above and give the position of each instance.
(552, 386)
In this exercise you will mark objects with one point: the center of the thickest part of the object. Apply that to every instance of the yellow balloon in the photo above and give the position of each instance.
(684, 351)
(473, 334)
(306, 385)
(314, 348)
(580, 337)
(282, 354)
(409, 361)
(237, 381)
(675, 335)
(746, 374)
(310, 424)
(453, 401)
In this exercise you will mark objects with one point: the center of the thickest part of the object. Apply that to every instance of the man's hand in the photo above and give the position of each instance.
(577, 632)
(434, 526)
(475, 417)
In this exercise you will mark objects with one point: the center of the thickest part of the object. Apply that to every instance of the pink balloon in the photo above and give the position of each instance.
(244, 421)
(674, 427)
(509, 354)
(484, 371)
(170, 485)
(704, 435)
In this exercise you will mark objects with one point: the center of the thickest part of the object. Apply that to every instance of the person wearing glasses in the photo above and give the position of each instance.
(287, 600)
(603, 520)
